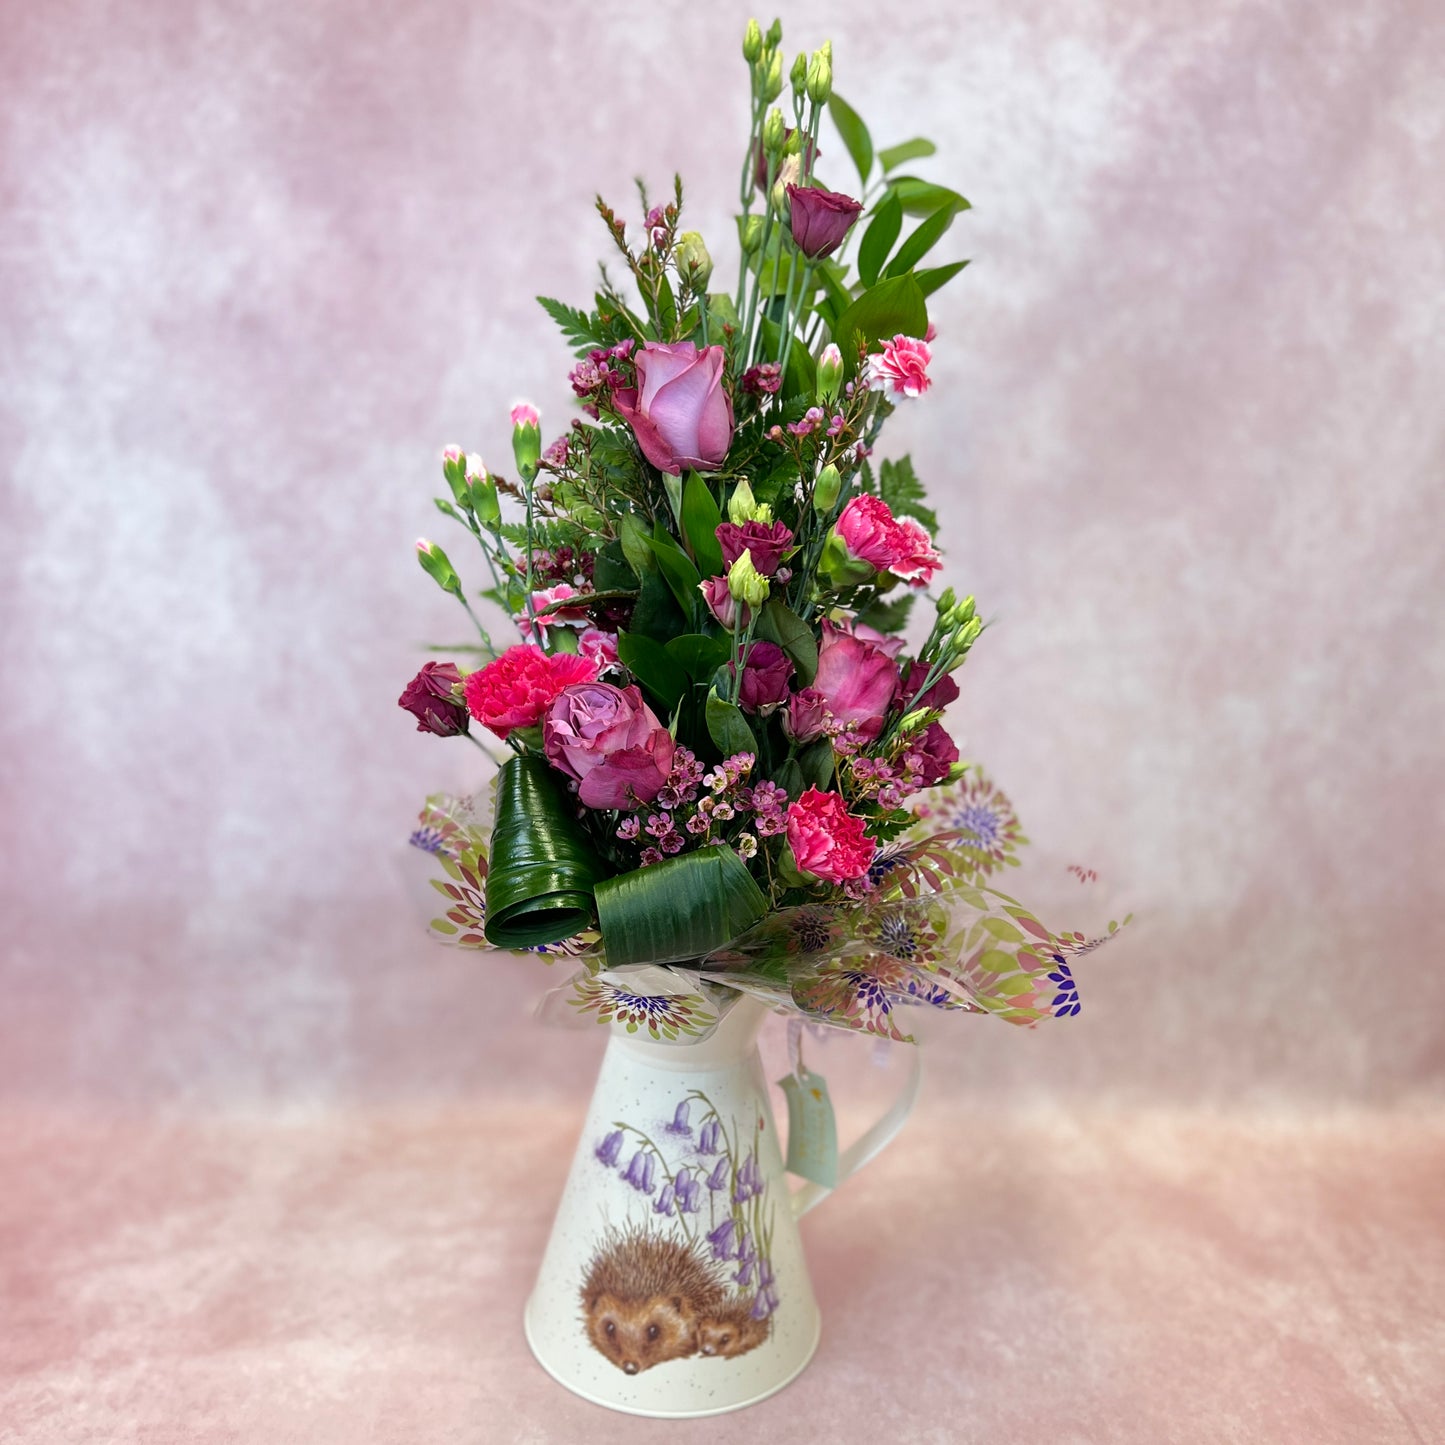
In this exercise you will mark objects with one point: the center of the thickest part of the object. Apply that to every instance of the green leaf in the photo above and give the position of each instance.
(727, 727)
(929, 281)
(816, 764)
(923, 240)
(878, 239)
(899, 486)
(888, 617)
(656, 614)
(677, 568)
(909, 150)
(722, 312)
(681, 908)
(923, 198)
(576, 325)
(611, 573)
(637, 546)
(854, 133)
(699, 656)
(839, 298)
(648, 661)
(789, 777)
(891, 307)
(543, 870)
(700, 521)
(778, 623)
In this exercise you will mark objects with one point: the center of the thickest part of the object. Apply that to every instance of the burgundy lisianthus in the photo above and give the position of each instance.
(943, 692)
(858, 681)
(930, 755)
(610, 742)
(766, 670)
(679, 410)
(430, 697)
(808, 154)
(828, 842)
(517, 689)
(806, 714)
(767, 541)
(820, 219)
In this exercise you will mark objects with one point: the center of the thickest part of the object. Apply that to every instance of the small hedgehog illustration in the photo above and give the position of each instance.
(643, 1297)
(731, 1330)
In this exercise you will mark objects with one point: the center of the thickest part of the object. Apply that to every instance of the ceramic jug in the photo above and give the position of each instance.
(674, 1282)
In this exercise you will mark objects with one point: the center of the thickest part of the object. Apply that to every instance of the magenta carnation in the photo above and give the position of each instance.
(518, 688)
(828, 842)
(871, 533)
(610, 743)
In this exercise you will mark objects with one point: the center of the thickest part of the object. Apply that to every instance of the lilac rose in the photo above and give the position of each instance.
(679, 410)
(610, 742)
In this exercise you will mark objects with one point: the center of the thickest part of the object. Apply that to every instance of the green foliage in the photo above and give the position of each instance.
(923, 239)
(931, 280)
(923, 198)
(888, 616)
(580, 329)
(909, 150)
(699, 656)
(700, 520)
(878, 239)
(899, 486)
(678, 571)
(884, 310)
(816, 764)
(649, 662)
(727, 726)
(778, 623)
(610, 572)
(856, 139)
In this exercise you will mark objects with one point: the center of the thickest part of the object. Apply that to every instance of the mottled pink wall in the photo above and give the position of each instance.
(259, 261)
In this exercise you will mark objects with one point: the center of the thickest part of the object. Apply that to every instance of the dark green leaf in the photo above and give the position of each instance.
(888, 617)
(838, 294)
(657, 614)
(789, 776)
(681, 908)
(878, 239)
(929, 281)
(576, 325)
(722, 312)
(922, 241)
(700, 519)
(909, 150)
(923, 198)
(891, 307)
(648, 661)
(543, 870)
(611, 573)
(778, 623)
(816, 764)
(728, 728)
(637, 546)
(697, 655)
(677, 568)
(854, 133)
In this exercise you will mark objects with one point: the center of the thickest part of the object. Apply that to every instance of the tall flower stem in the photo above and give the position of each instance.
(794, 311)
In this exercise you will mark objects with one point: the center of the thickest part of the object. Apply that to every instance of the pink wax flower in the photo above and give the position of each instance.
(430, 697)
(917, 560)
(902, 368)
(720, 602)
(600, 646)
(806, 714)
(516, 690)
(763, 379)
(858, 681)
(828, 842)
(820, 219)
(767, 541)
(610, 742)
(943, 692)
(930, 755)
(766, 670)
(868, 530)
(679, 410)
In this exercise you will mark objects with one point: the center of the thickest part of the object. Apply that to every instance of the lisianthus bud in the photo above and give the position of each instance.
(692, 259)
(946, 601)
(773, 81)
(775, 34)
(526, 439)
(774, 132)
(830, 372)
(798, 76)
(826, 489)
(744, 507)
(752, 41)
(750, 234)
(820, 77)
(437, 566)
(746, 583)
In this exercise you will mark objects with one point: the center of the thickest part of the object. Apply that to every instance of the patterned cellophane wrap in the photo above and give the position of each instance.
(937, 931)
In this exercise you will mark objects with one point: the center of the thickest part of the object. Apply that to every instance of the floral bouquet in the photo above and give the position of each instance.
(728, 771)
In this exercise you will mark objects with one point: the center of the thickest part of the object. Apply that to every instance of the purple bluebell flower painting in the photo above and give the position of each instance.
(724, 1239)
(707, 1139)
(750, 1181)
(744, 1276)
(679, 1123)
(718, 1179)
(689, 1192)
(765, 1303)
(641, 1170)
(663, 1202)
(608, 1150)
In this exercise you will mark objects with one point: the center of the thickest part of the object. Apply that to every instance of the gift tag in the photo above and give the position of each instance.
(812, 1131)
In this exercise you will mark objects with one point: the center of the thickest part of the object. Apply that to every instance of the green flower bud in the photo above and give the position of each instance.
(798, 75)
(775, 35)
(826, 489)
(752, 41)
(820, 77)
(772, 86)
(842, 570)
(945, 603)
(485, 502)
(437, 566)
(750, 234)
(743, 507)
(745, 583)
(830, 373)
(693, 260)
(526, 439)
(914, 720)
(774, 130)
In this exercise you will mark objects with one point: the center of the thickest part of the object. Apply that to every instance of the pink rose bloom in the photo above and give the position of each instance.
(610, 742)
(682, 415)
(828, 842)
(930, 755)
(720, 602)
(600, 646)
(891, 645)
(902, 369)
(858, 681)
(943, 692)
(766, 670)
(516, 690)
(867, 528)
(806, 714)
(767, 541)
(917, 560)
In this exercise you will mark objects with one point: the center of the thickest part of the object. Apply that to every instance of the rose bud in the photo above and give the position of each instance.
(679, 410)
(431, 698)
(764, 686)
(769, 543)
(806, 714)
(610, 742)
(819, 219)
(721, 604)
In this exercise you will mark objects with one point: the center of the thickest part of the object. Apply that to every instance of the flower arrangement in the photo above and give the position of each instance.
(728, 769)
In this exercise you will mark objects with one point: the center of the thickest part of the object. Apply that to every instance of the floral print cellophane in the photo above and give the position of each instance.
(935, 932)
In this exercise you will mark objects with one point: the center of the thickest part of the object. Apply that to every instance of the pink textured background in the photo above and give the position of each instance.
(259, 261)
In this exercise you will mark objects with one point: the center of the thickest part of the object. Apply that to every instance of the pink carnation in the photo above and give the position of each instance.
(525, 414)
(902, 369)
(917, 559)
(518, 688)
(600, 646)
(828, 842)
(872, 534)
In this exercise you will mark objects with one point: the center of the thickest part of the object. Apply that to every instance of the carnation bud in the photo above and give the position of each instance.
(774, 131)
(455, 471)
(746, 584)
(743, 507)
(826, 489)
(841, 569)
(775, 34)
(773, 80)
(750, 234)
(485, 502)
(752, 41)
(437, 566)
(693, 260)
(526, 439)
(820, 77)
(798, 76)
(830, 372)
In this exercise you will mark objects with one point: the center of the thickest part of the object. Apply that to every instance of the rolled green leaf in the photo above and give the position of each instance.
(681, 908)
(543, 870)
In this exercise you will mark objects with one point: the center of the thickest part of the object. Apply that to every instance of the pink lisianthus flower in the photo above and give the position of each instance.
(768, 542)
(902, 367)
(558, 616)
(679, 410)
(600, 646)
(516, 690)
(610, 743)
(858, 681)
(828, 842)
(930, 756)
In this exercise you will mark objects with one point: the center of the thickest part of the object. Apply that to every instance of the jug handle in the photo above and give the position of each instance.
(873, 1141)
